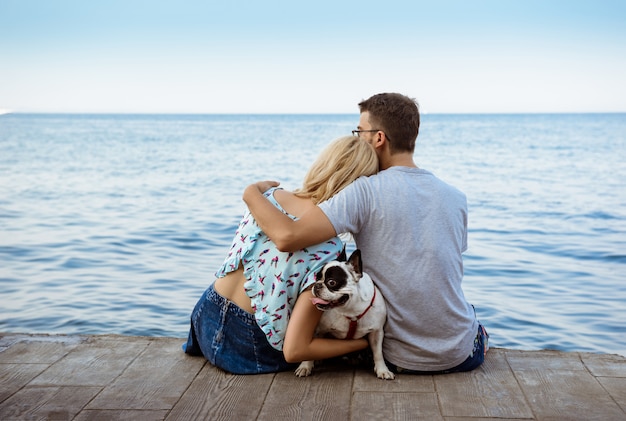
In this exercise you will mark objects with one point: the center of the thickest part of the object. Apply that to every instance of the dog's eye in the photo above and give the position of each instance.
(331, 283)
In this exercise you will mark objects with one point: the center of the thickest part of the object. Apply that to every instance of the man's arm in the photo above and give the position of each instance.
(288, 235)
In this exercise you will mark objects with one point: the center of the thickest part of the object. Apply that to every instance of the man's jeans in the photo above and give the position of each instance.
(476, 358)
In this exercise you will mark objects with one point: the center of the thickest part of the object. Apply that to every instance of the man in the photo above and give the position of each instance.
(411, 229)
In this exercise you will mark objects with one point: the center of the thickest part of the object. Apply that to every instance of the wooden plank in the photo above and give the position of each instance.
(95, 363)
(120, 415)
(395, 406)
(490, 419)
(15, 376)
(605, 365)
(552, 360)
(564, 391)
(365, 381)
(217, 395)
(155, 380)
(571, 395)
(488, 391)
(616, 387)
(111, 377)
(26, 350)
(325, 395)
(54, 402)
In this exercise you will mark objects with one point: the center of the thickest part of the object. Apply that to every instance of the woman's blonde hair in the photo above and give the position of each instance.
(339, 164)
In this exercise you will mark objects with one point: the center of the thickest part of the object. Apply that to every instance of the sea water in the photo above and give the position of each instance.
(117, 223)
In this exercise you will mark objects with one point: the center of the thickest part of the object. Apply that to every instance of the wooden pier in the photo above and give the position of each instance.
(107, 377)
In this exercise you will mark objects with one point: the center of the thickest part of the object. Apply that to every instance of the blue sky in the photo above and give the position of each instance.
(235, 56)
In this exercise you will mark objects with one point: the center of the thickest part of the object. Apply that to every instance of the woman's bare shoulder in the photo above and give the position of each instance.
(291, 203)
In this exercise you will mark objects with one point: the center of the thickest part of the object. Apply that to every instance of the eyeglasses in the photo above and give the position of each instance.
(357, 133)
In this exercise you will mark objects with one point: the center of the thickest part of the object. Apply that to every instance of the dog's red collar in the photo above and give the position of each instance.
(354, 321)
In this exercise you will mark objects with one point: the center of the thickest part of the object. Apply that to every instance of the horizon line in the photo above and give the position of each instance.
(122, 113)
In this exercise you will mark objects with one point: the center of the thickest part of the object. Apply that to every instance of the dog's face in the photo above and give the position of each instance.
(337, 282)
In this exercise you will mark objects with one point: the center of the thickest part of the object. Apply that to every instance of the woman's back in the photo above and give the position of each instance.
(274, 279)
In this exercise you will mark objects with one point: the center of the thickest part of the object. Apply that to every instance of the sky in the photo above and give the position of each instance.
(251, 56)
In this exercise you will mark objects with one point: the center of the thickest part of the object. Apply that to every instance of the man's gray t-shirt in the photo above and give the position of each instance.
(411, 228)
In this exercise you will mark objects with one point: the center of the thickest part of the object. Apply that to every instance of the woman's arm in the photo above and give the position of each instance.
(300, 343)
(288, 235)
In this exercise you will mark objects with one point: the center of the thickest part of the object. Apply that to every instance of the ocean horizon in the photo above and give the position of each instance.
(195, 114)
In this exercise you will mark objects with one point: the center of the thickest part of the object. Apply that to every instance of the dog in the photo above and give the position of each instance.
(353, 307)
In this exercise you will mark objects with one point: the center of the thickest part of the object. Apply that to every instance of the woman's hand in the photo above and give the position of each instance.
(300, 341)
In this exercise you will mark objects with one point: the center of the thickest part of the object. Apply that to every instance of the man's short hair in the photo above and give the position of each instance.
(397, 116)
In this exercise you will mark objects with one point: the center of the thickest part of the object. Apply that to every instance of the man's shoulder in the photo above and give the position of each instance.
(361, 185)
(352, 193)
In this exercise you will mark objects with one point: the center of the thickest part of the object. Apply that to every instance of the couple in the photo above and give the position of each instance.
(411, 228)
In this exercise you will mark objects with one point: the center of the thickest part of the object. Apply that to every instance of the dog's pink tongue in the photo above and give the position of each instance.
(317, 301)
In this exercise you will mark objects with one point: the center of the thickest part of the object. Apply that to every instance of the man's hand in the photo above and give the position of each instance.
(263, 186)
(312, 227)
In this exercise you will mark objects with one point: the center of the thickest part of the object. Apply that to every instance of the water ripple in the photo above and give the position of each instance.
(116, 224)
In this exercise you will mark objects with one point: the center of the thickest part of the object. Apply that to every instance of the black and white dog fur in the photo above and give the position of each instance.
(352, 306)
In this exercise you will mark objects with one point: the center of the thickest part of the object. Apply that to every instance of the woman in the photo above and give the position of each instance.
(257, 317)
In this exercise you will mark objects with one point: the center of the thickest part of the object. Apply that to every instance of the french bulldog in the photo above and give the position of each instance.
(353, 307)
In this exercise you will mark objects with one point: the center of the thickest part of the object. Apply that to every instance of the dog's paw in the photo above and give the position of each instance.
(384, 373)
(303, 372)
(304, 369)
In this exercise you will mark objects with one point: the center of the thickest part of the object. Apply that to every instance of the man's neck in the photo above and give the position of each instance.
(399, 160)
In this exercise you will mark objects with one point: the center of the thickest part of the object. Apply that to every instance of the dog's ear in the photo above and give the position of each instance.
(343, 256)
(355, 261)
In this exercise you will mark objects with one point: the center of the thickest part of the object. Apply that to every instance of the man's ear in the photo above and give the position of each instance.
(381, 139)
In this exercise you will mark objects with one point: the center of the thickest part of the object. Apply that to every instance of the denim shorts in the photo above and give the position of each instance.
(229, 338)
(475, 359)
